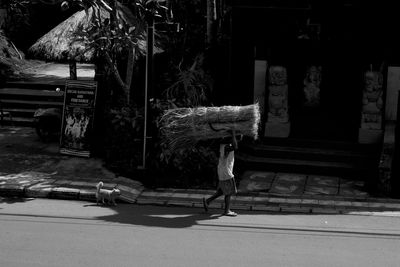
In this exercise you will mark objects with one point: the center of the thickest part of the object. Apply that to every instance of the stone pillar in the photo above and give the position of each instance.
(371, 114)
(260, 70)
(389, 137)
(277, 124)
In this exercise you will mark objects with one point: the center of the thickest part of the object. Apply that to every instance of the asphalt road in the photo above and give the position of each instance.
(45, 232)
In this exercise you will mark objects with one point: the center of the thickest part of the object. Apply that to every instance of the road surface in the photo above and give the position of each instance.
(45, 232)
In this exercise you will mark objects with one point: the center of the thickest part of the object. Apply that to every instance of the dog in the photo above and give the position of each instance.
(109, 194)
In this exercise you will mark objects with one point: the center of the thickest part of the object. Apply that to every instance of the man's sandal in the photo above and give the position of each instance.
(230, 213)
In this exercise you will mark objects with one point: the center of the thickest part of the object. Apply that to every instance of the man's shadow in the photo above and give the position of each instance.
(157, 216)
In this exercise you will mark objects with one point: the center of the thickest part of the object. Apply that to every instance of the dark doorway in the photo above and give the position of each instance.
(277, 37)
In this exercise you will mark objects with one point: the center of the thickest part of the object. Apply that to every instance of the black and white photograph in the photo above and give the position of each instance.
(199, 133)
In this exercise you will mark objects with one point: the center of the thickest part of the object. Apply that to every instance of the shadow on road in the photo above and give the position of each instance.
(12, 200)
(156, 216)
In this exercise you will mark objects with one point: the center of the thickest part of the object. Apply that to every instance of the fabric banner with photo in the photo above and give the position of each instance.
(78, 116)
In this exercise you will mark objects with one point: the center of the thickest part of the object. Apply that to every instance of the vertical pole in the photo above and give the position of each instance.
(149, 82)
(72, 69)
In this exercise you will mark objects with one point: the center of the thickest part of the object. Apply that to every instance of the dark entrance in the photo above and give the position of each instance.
(287, 36)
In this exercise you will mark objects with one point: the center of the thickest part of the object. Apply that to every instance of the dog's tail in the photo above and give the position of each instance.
(99, 186)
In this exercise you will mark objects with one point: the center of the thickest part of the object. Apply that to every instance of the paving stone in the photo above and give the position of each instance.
(149, 194)
(179, 203)
(277, 200)
(320, 190)
(352, 192)
(287, 188)
(316, 180)
(359, 204)
(291, 178)
(62, 182)
(255, 181)
(392, 206)
(351, 183)
(141, 200)
(260, 199)
(325, 211)
(295, 209)
(240, 206)
(64, 193)
(87, 194)
(124, 188)
(266, 208)
(127, 182)
(309, 201)
(216, 205)
(134, 193)
(42, 191)
(293, 200)
(342, 203)
(196, 196)
(241, 198)
(83, 184)
(12, 190)
(326, 202)
(376, 205)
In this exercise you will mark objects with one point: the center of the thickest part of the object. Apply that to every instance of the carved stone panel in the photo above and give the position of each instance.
(371, 113)
(277, 119)
(311, 89)
(372, 102)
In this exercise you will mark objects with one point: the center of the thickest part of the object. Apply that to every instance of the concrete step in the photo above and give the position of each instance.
(30, 103)
(30, 92)
(37, 84)
(344, 169)
(18, 121)
(309, 153)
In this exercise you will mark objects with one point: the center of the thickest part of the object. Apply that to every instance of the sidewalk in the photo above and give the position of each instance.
(30, 168)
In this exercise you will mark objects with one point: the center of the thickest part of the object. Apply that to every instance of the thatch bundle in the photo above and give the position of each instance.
(61, 44)
(184, 127)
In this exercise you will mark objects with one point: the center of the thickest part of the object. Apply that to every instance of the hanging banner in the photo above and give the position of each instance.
(78, 116)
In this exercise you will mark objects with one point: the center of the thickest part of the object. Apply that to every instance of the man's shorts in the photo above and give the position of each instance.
(228, 187)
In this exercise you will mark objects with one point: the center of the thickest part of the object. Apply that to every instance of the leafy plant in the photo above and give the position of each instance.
(123, 145)
(17, 20)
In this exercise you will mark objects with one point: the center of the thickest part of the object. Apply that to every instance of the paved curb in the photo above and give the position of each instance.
(72, 190)
(134, 192)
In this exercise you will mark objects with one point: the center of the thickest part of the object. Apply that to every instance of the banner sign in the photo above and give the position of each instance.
(78, 116)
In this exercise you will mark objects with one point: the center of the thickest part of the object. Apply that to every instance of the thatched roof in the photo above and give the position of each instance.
(60, 43)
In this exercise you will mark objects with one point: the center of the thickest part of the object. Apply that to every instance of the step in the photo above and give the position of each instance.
(314, 143)
(304, 166)
(8, 102)
(37, 83)
(30, 92)
(18, 121)
(21, 112)
(309, 153)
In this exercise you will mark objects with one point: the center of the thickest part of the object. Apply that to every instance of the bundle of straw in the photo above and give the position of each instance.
(184, 127)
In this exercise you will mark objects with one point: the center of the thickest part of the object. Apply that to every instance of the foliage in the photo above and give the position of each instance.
(192, 86)
(124, 127)
(17, 20)
(112, 37)
(192, 167)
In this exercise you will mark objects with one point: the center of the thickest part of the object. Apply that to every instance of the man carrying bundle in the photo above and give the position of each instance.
(226, 179)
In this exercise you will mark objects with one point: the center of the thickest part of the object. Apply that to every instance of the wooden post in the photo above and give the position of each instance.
(72, 70)
(211, 17)
(129, 72)
(148, 83)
